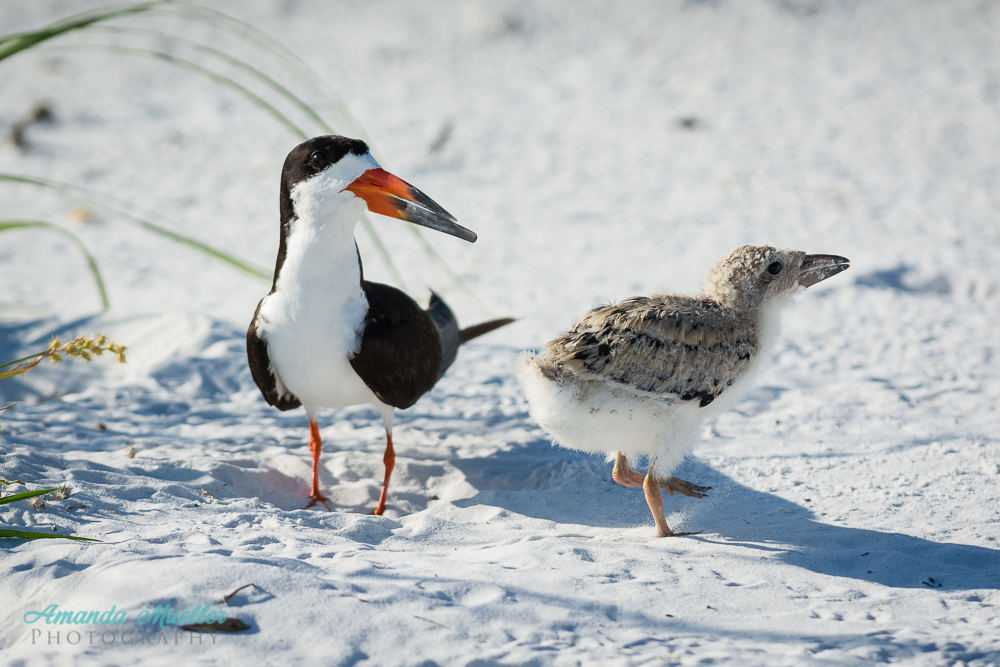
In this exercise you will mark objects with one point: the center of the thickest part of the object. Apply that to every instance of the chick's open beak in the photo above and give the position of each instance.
(816, 268)
(394, 197)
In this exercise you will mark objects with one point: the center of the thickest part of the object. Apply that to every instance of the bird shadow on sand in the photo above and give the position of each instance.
(544, 482)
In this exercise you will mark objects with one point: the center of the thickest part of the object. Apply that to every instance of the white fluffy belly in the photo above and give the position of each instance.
(609, 418)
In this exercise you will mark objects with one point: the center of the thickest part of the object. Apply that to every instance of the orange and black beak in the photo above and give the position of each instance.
(816, 268)
(394, 197)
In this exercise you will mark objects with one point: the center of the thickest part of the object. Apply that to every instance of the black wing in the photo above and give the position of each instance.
(260, 369)
(401, 351)
(447, 326)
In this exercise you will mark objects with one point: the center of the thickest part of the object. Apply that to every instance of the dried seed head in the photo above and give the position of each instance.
(84, 348)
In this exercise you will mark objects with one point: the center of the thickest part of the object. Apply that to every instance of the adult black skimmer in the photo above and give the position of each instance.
(639, 376)
(325, 337)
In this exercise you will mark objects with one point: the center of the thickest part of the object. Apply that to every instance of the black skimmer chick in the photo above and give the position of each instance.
(639, 376)
(325, 337)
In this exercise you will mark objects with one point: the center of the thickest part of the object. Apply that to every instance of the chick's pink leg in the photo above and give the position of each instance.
(655, 502)
(625, 475)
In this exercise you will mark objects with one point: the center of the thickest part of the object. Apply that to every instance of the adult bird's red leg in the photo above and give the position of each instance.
(315, 446)
(390, 462)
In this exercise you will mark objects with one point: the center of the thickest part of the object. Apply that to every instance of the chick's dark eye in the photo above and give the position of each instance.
(318, 161)
(774, 268)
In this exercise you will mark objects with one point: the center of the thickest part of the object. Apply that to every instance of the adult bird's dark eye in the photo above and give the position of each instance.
(318, 161)
(775, 268)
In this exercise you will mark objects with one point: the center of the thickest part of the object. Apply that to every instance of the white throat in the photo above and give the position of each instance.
(321, 265)
(769, 323)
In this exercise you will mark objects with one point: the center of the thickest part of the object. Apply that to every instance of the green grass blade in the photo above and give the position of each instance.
(8, 225)
(16, 371)
(15, 43)
(17, 361)
(366, 221)
(24, 495)
(204, 71)
(11, 44)
(235, 62)
(291, 62)
(246, 30)
(32, 535)
(100, 200)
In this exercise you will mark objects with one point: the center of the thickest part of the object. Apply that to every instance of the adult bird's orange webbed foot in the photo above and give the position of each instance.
(625, 475)
(318, 500)
(390, 462)
(674, 485)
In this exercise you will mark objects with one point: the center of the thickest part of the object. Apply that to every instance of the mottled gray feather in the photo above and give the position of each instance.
(692, 349)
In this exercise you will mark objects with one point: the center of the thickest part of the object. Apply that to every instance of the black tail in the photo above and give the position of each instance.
(465, 335)
(451, 336)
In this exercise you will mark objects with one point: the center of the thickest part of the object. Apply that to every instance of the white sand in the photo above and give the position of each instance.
(864, 464)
